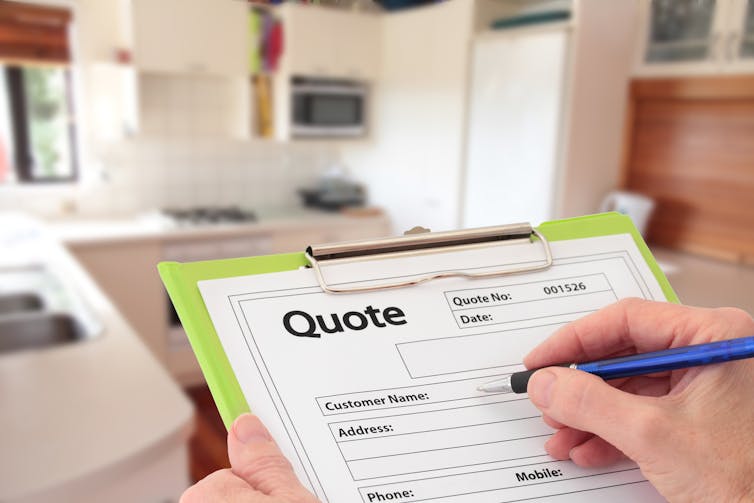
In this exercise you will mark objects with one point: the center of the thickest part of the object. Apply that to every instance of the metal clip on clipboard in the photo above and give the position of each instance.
(419, 241)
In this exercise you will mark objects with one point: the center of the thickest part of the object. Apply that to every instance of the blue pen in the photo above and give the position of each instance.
(640, 364)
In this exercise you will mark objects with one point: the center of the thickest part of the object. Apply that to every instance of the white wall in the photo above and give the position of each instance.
(603, 55)
(103, 26)
(412, 162)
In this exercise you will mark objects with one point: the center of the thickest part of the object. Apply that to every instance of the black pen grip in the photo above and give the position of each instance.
(520, 380)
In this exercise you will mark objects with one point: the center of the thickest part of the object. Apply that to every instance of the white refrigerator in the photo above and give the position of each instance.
(514, 127)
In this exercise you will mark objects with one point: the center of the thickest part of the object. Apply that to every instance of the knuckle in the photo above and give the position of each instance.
(297, 494)
(737, 317)
(627, 308)
(583, 456)
(573, 397)
(192, 495)
(266, 466)
(629, 303)
(208, 489)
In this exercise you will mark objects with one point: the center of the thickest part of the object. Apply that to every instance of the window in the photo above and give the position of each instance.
(37, 126)
(42, 125)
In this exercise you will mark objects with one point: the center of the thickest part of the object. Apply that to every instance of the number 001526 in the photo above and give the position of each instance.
(565, 288)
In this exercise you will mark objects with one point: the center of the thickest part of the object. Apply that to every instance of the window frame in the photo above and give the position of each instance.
(19, 123)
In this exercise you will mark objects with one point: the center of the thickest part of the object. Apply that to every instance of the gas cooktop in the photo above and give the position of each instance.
(208, 215)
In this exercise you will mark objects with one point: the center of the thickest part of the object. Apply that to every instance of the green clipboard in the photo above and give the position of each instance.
(181, 280)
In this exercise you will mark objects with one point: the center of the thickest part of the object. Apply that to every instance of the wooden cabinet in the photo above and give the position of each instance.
(191, 36)
(695, 37)
(690, 147)
(327, 42)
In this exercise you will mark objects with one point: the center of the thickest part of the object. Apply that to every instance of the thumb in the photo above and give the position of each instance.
(256, 458)
(585, 402)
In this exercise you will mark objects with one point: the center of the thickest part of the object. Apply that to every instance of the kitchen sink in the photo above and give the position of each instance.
(38, 309)
(20, 302)
(27, 330)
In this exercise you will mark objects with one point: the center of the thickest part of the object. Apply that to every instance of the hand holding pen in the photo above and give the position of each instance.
(640, 364)
(691, 431)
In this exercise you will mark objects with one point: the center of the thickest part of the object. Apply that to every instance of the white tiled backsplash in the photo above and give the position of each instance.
(140, 175)
(186, 106)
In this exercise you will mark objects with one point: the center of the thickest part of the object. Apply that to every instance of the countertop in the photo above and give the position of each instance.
(706, 282)
(93, 407)
(697, 280)
(156, 227)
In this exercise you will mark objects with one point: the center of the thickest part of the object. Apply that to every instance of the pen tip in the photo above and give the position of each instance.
(500, 386)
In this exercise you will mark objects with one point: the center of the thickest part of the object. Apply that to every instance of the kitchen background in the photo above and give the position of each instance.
(135, 131)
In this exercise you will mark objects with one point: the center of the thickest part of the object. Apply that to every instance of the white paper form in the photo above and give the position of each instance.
(372, 396)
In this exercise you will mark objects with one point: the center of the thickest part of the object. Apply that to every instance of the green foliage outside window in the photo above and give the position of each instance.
(48, 121)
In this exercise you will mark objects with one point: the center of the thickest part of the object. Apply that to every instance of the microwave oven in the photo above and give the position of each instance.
(328, 108)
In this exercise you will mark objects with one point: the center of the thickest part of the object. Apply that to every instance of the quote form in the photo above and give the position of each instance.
(373, 396)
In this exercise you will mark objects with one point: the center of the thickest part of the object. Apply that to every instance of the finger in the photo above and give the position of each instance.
(631, 324)
(256, 458)
(552, 423)
(222, 485)
(740, 323)
(644, 386)
(586, 402)
(595, 452)
(560, 444)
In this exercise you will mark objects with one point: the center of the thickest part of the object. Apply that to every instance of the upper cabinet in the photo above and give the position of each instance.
(328, 42)
(691, 37)
(191, 36)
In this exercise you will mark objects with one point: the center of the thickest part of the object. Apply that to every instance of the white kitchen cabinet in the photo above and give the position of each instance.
(309, 44)
(695, 37)
(357, 51)
(328, 42)
(191, 36)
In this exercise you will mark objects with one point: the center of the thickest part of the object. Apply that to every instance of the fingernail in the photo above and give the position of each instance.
(249, 429)
(540, 388)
